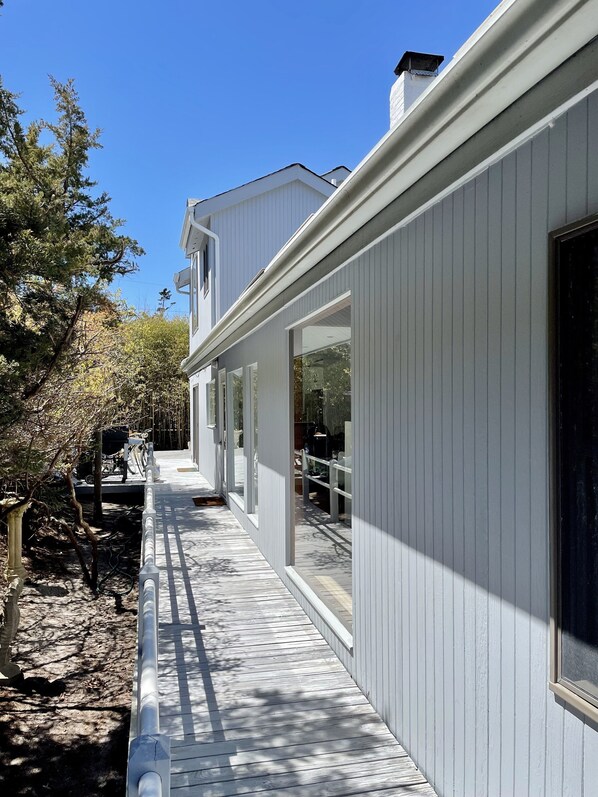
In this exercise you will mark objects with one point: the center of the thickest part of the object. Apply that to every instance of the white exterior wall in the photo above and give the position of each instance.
(451, 472)
(206, 436)
(252, 232)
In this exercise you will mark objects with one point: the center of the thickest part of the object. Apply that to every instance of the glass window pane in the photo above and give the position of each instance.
(578, 460)
(211, 402)
(237, 442)
(223, 429)
(323, 458)
(255, 436)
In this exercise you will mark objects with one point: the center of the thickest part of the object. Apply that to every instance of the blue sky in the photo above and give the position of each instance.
(194, 98)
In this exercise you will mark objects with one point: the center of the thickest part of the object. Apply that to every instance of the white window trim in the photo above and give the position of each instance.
(240, 500)
(327, 615)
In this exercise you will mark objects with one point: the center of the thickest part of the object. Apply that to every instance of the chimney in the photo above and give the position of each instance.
(415, 73)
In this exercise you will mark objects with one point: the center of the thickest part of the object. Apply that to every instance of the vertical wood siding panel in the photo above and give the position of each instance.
(376, 455)
(389, 469)
(411, 552)
(397, 476)
(458, 489)
(522, 562)
(427, 696)
(470, 675)
(507, 474)
(577, 165)
(572, 755)
(418, 495)
(480, 480)
(394, 641)
(577, 207)
(447, 498)
(557, 217)
(539, 472)
(368, 492)
(494, 472)
(590, 759)
(404, 472)
(253, 231)
(440, 742)
(384, 455)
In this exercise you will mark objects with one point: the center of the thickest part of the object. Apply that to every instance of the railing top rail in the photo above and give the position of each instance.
(344, 468)
(149, 752)
(317, 459)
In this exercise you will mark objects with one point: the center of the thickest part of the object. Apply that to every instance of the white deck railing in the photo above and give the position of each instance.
(332, 484)
(149, 751)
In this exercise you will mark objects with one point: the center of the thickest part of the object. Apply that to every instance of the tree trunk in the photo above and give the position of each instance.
(88, 531)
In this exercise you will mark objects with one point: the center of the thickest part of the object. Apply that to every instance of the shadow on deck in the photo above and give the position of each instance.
(252, 697)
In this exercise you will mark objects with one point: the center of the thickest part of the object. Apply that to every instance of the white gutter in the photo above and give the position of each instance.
(516, 47)
(216, 239)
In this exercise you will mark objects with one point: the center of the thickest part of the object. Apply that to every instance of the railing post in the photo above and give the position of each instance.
(15, 576)
(149, 754)
(304, 473)
(333, 482)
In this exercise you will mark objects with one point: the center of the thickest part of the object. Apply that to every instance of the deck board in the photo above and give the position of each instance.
(253, 698)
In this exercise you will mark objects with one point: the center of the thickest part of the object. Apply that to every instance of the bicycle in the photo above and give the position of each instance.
(135, 450)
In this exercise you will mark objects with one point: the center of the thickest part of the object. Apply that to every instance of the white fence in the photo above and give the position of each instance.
(149, 751)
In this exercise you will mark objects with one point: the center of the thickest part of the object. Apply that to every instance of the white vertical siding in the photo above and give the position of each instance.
(252, 232)
(451, 476)
(206, 436)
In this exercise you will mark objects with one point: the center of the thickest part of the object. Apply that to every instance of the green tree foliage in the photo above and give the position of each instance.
(155, 391)
(59, 249)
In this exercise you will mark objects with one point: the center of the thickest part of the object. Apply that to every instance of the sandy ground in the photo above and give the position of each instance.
(64, 728)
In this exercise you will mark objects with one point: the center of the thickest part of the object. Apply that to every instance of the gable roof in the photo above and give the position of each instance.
(203, 208)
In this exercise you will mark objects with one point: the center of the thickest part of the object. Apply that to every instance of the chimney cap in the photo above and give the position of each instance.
(419, 62)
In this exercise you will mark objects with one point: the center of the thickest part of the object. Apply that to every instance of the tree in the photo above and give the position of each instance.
(164, 296)
(59, 249)
(155, 390)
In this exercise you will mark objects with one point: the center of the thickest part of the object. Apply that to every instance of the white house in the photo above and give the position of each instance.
(406, 411)
(229, 238)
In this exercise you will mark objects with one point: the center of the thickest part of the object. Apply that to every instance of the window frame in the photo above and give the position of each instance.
(251, 373)
(342, 633)
(222, 418)
(241, 499)
(562, 688)
(211, 410)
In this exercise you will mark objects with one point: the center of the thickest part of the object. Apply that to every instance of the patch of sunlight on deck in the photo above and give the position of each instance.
(253, 698)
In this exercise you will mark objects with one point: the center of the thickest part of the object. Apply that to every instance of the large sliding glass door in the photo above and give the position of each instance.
(323, 462)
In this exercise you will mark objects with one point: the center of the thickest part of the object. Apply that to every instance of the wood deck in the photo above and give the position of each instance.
(254, 700)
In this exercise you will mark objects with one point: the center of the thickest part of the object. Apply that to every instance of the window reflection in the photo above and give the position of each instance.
(323, 458)
(255, 437)
(237, 442)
